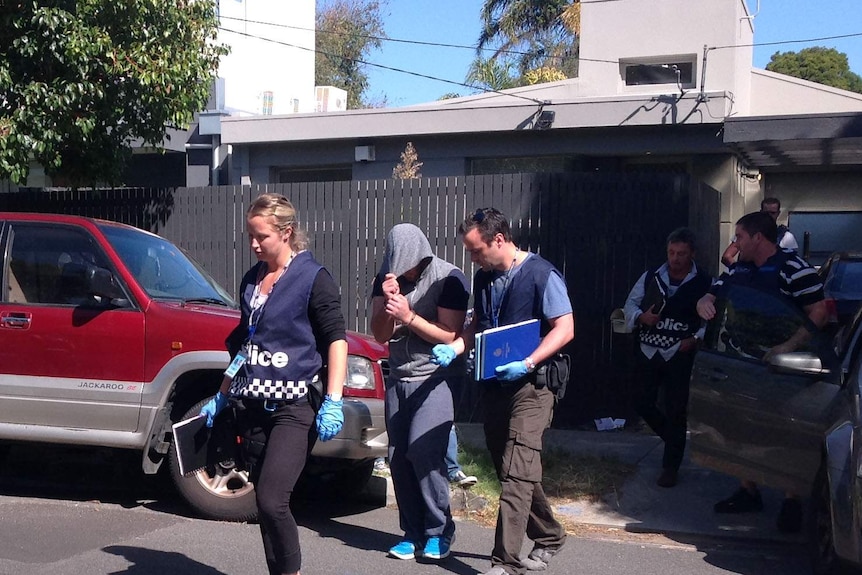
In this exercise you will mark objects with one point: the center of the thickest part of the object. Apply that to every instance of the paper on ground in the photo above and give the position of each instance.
(609, 423)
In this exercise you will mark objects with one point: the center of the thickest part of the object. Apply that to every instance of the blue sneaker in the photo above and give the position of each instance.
(438, 547)
(404, 550)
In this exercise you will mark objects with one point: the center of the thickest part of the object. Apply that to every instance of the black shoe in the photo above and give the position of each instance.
(790, 517)
(743, 501)
(667, 478)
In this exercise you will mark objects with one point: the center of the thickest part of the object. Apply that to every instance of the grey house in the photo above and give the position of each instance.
(663, 87)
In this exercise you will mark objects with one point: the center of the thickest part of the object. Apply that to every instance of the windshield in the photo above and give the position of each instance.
(163, 269)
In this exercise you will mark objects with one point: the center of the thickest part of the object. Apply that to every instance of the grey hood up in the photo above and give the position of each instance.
(406, 247)
(409, 354)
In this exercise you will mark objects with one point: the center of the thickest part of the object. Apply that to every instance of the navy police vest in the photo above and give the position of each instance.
(679, 318)
(523, 297)
(283, 352)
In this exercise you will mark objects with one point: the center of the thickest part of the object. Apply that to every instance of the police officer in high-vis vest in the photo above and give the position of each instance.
(290, 326)
(662, 305)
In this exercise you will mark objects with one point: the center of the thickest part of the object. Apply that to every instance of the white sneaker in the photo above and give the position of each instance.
(460, 479)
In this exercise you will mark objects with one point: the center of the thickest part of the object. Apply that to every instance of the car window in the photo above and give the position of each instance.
(50, 265)
(749, 322)
(844, 280)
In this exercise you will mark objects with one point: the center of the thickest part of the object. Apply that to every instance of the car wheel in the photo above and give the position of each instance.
(823, 558)
(222, 492)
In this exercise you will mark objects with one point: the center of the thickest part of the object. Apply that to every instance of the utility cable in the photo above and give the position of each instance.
(410, 42)
(390, 68)
(757, 44)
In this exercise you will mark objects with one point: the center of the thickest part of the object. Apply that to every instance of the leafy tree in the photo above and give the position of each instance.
(818, 64)
(408, 167)
(490, 75)
(531, 34)
(81, 79)
(347, 32)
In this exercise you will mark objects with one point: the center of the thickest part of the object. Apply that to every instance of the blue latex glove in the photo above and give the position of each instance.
(213, 407)
(442, 354)
(511, 371)
(330, 418)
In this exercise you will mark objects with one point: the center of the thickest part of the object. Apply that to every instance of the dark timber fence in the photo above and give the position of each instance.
(601, 230)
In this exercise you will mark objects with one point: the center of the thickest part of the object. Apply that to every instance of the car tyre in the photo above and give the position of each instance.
(824, 560)
(355, 479)
(220, 492)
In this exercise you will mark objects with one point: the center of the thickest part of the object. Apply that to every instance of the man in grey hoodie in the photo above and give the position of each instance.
(417, 301)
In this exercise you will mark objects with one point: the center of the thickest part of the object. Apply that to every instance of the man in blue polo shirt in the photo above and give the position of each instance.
(763, 265)
(513, 286)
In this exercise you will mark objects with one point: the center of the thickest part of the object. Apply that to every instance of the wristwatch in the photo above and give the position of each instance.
(531, 365)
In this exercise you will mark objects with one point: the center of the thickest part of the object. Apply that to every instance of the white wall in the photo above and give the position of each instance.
(255, 66)
(831, 191)
(640, 30)
(779, 94)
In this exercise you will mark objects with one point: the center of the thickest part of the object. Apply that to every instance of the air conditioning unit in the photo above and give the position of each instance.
(330, 99)
(364, 154)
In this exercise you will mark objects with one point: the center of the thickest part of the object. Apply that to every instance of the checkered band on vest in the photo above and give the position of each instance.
(658, 340)
(257, 388)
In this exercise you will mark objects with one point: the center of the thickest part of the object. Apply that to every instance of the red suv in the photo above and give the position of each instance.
(109, 335)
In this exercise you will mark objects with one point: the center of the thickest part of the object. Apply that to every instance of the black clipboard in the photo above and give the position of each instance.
(655, 295)
(191, 437)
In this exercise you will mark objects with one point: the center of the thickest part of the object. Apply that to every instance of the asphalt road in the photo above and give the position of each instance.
(79, 512)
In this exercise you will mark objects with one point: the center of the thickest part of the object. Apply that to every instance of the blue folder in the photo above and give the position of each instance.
(500, 345)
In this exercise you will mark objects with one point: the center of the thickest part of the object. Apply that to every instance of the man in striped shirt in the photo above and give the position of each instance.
(764, 266)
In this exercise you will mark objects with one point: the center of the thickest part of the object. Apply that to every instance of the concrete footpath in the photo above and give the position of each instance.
(642, 506)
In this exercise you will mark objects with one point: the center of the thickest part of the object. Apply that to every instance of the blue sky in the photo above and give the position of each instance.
(457, 22)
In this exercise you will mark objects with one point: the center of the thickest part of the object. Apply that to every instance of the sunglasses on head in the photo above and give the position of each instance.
(478, 216)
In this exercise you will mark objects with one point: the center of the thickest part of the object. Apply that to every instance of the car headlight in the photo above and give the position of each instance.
(360, 373)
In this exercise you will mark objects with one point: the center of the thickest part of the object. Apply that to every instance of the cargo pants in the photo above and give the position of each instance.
(516, 417)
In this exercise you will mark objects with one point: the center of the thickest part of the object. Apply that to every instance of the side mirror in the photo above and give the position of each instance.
(799, 363)
(103, 284)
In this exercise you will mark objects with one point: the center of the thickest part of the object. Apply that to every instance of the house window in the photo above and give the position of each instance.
(549, 164)
(312, 174)
(674, 72)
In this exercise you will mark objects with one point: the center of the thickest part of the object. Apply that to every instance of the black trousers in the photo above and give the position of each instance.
(286, 432)
(662, 401)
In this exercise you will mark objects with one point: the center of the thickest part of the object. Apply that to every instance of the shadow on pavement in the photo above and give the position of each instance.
(114, 476)
(147, 561)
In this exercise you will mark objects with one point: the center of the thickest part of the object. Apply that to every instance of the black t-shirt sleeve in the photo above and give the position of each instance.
(377, 286)
(455, 293)
(324, 311)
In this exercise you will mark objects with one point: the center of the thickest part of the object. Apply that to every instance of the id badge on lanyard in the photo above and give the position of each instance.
(238, 361)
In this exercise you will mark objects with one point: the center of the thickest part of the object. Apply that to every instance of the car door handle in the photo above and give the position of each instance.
(15, 321)
(714, 374)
